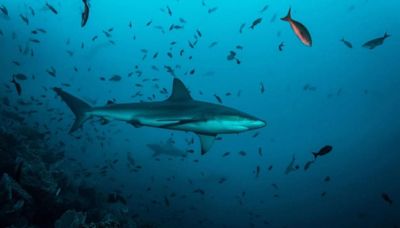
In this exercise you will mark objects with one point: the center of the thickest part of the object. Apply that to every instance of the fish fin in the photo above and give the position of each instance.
(179, 92)
(135, 123)
(288, 17)
(206, 142)
(77, 106)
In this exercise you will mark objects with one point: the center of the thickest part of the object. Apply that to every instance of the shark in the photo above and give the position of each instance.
(178, 112)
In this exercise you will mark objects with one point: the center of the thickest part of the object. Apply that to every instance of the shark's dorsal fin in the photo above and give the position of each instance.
(206, 142)
(179, 92)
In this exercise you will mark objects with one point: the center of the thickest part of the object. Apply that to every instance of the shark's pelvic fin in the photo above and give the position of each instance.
(206, 142)
(179, 92)
(77, 106)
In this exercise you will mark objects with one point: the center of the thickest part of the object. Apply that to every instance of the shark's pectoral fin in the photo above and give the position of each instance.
(135, 123)
(206, 142)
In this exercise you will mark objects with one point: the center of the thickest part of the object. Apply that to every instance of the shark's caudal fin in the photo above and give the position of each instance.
(206, 142)
(179, 92)
(77, 106)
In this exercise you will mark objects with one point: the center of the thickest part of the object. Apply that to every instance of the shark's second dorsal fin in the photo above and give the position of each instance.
(179, 92)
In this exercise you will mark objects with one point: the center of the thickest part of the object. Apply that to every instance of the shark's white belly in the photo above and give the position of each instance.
(212, 127)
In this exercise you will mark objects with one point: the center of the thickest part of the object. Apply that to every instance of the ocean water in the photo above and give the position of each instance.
(326, 94)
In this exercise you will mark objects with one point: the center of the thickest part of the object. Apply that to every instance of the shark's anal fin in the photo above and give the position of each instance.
(206, 142)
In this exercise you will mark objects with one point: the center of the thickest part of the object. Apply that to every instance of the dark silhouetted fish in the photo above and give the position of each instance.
(347, 43)
(280, 47)
(323, 151)
(387, 198)
(24, 19)
(291, 168)
(264, 9)
(85, 13)
(256, 22)
(20, 76)
(51, 8)
(375, 42)
(17, 86)
(4, 10)
(115, 78)
(307, 165)
(212, 10)
(241, 28)
(299, 29)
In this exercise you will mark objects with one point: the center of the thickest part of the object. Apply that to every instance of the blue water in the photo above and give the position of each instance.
(353, 105)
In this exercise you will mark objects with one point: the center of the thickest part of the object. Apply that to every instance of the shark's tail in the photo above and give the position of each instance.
(77, 106)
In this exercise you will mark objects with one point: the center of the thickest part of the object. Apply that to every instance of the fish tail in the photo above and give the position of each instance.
(77, 106)
(315, 155)
(386, 35)
(288, 17)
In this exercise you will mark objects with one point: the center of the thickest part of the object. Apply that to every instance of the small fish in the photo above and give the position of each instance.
(262, 89)
(36, 41)
(264, 9)
(323, 151)
(201, 191)
(4, 10)
(256, 22)
(376, 42)
(258, 171)
(241, 28)
(387, 198)
(17, 86)
(213, 44)
(280, 47)
(51, 8)
(58, 191)
(21, 77)
(51, 71)
(218, 98)
(32, 11)
(260, 151)
(221, 180)
(231, 55)
(291, 168)
(169, 11)
(24, 19)
(307, 165)
(347, 43)
(327, 179)
(226, 154)
(115, 78)
(199, 33)
(212, 10)
(299, 29)
(85, 13)
(166, 201)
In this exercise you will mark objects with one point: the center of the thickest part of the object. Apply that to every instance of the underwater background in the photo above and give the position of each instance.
(334, 93)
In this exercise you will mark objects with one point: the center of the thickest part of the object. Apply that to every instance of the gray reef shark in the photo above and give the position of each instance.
(178, 112)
